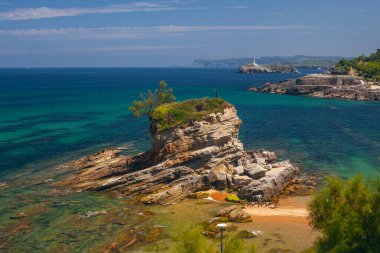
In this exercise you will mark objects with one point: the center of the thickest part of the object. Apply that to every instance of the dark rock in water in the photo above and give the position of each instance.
(186, 159)
(326, 86)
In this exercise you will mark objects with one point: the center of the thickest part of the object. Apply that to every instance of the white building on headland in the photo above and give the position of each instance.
(254, 63)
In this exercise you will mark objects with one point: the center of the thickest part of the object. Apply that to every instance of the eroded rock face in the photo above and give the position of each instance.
(327, 86)
(183, 160)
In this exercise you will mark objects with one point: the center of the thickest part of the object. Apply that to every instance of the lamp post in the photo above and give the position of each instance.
(221, 226)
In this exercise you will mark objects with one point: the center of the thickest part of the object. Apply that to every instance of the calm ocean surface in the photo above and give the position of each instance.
(59, 114)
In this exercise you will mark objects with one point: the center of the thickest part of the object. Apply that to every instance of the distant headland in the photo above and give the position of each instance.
(275, 68)
(298, 61)
(356, 79)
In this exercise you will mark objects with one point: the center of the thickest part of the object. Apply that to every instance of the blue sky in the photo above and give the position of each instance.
(98, 33)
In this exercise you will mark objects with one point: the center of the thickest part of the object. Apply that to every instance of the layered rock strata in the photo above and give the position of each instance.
(326, 86)
(185, 159)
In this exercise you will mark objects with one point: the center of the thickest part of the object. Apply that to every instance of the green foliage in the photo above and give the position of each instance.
(192, 241)
(233, 245)
(310, 250)
(238, 245)
(175, 114)
(367, 67)
(150, 100)
(348, 215)
(232, 198)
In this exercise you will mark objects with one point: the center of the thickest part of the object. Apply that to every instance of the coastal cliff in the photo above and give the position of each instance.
(277, 68)
(326, 86)
(195, 154)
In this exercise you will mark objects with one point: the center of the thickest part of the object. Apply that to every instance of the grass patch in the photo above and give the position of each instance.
(181, 113)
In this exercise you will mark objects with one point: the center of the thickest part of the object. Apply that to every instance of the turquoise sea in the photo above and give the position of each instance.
(49, 116)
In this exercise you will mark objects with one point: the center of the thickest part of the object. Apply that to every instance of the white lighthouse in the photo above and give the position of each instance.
(254, 63)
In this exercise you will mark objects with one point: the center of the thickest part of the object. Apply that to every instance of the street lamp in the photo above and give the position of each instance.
(221, 226)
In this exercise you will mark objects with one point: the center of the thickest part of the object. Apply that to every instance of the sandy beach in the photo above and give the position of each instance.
(288, 207)
(285, 227)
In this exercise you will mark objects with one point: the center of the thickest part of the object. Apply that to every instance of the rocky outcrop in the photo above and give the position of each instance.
(185, 159)
(234, 214)
(255, 68)
(326, 86)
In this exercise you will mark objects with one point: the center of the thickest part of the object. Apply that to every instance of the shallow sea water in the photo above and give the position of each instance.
(50, 116)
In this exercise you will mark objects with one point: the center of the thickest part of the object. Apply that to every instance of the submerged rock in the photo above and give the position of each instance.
(95, 213)
(3, 185)
(18, 216)
(185, 159)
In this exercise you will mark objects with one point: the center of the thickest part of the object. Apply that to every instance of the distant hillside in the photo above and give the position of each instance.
(297, 61)
(367, 67)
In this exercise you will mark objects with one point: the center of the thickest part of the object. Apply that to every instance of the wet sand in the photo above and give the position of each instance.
(285, 227)
(292, 207)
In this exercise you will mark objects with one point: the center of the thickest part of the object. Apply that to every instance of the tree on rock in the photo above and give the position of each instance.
(150, 100)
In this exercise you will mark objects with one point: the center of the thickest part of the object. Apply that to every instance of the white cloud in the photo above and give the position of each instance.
(138, 47)
(133, 31)
(46, 12)
(98, 49)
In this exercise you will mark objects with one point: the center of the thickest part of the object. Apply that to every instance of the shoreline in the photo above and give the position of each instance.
(327, 86)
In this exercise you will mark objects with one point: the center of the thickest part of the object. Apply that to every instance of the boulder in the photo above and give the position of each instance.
(226, 211)
(239, 216)
(234, 214)
(254, 171)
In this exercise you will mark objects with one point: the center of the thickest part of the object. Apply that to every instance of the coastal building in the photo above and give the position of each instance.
(254, 63)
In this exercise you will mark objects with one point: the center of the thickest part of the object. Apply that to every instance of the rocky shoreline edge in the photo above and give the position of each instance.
(325, 86)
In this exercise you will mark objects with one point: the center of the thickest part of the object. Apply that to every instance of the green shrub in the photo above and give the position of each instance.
(348, 215)
(232, 198)
(367, 67)
(192, 241)
(175, 114)
(233, 245)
